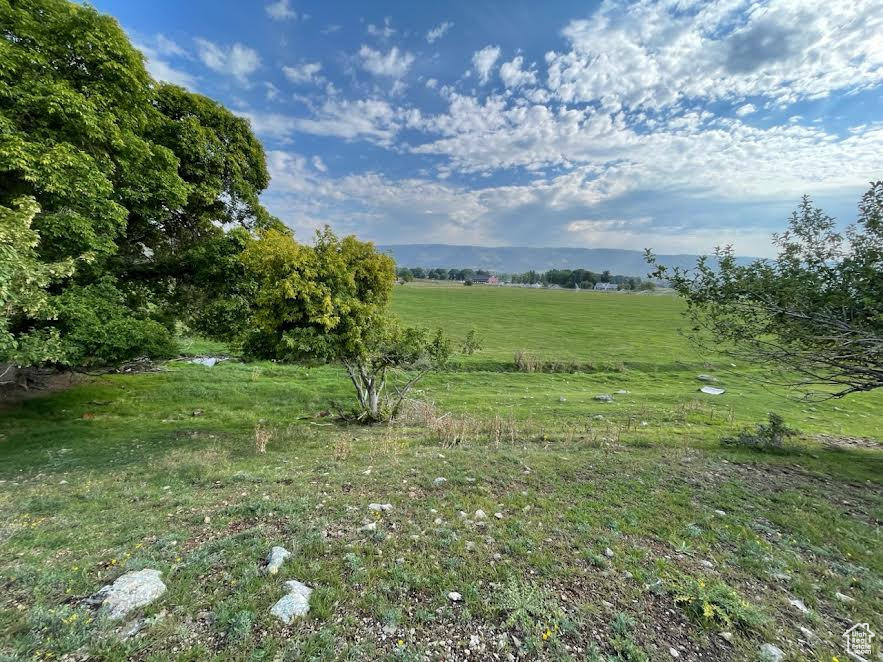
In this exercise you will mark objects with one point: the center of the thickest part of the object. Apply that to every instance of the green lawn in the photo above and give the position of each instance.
(118, 473)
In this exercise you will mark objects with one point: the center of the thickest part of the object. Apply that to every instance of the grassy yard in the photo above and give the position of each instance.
(613, 531)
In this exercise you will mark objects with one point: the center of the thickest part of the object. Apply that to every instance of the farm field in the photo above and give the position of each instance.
(608, 531)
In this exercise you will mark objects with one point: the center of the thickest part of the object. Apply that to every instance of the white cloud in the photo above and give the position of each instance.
(483, 61)
(746, 109)
(438, 31)
(432, 83)
(237, 60)
(319, 165)
(157, 52)
(394, 63)
(272, 91)
(656, 54)
(304, 73)
(280, 10)
(384, 31)
(513, 75)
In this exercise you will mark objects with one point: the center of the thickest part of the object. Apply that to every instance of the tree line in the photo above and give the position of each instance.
(568, 278)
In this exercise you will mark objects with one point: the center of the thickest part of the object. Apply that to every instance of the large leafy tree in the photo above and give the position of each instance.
(131, 181)
(330, 301)
(815, 313)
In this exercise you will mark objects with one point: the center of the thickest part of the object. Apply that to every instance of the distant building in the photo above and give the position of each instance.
(606, 287)
(485, 280)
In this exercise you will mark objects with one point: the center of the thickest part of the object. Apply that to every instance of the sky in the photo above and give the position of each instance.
(677, 125)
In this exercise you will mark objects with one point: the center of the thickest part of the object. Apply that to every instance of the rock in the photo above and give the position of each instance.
(770, 653)
(705, 563)
(470, 546)
(712, 390)
(622, 391)
(598, 417)
(133, 628)
(843, 598)
(438, 482)
(438, 521)
(370, 526)
(608, 553)
(720, 513)
(129, 592)
(498, 515)
(562, 399)
(380, 507)
(293, 605)
(207, 520)
(674, 652)
(207, 361)
(197, 412)
(453, 596)
(711, 379)
(604, 397)
(800, 606)
(726, 636)
(480, 514)
(276, 558)
(809, 634)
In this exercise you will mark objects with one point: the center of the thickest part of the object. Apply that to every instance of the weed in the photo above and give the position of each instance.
(528, 608)
(766, 436)
(714, 603)
(262, 436)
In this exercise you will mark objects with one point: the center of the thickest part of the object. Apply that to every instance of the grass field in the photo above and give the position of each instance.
(625, 529)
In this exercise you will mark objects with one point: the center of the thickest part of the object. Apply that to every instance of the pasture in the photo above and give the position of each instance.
(615, 530)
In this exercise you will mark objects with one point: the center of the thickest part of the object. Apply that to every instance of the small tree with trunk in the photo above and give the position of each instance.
(330, 302)
(815, 312)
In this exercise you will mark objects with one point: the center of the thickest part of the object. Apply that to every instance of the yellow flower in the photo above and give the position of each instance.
(400, 642)
(547, 634)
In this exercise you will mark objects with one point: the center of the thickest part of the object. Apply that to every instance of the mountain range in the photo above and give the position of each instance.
(517, 259)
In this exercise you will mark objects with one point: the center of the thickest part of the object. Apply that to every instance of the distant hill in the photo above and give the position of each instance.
(520, 258)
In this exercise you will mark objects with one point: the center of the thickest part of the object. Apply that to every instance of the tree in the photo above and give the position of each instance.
(815, 313)
(330, 302)
(133, 185)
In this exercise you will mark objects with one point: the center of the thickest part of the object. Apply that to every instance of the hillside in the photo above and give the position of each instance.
(523, 258)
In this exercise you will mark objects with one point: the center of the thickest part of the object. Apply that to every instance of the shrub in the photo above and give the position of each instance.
(766, 436)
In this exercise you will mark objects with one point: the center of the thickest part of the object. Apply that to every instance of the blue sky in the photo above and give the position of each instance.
(677, 125)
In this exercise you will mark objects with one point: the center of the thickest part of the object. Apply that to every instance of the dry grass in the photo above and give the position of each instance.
(262, 436)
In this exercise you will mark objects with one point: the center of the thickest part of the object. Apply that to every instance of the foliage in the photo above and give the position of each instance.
(816, 312)
(714, 603)
(766, 436)
(23, 282)
(330, 302)
(528, 608)
(128, 177)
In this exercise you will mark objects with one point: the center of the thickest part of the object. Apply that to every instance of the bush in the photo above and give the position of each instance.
(766, 436)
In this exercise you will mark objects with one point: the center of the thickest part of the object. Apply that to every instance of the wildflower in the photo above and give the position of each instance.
(547, 634)
(401, 642)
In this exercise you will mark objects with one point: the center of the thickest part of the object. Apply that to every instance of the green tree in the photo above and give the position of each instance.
(815, 312)
(24, 280)
(131, 179)
(330, 301)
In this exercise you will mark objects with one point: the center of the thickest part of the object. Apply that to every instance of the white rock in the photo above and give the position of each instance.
(498, 515)
(293, 605)
(706, 378)
(712, 390)
(726, 636)
(770, 653)
(480, 514)
(276, 558)
(705, 563)
(720, 513)
(438, 521)
(604, 397)
(674, 652)
(608, 553)
(380, 507)
(438, 482)
(370, 526)
(800, 606)
(130, 591)
(809, 634)
(453, 596)
(843, 598)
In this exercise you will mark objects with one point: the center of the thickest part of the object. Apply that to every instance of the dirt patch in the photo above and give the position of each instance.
(849, 442)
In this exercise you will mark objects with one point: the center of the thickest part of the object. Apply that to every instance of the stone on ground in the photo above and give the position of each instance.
(295, 604)
(706, 378)
(604, 397)
(380, 507)
(129, 592)
(453, 596)
(712, 390)
(770, 653)
(276, 558)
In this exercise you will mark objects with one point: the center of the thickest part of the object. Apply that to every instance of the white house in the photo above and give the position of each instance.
(606, 287)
